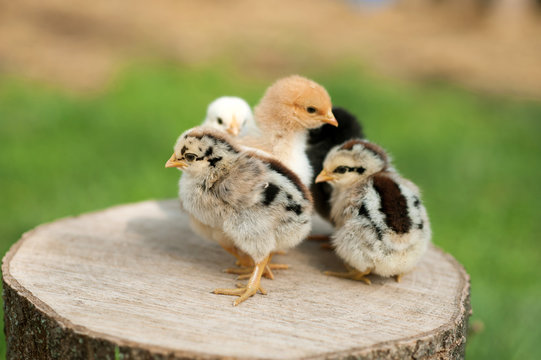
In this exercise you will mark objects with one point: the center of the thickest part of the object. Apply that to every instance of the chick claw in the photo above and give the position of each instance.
(243, 292)
(352, 274)
(278, 266)
(261, 289)
(246, 291)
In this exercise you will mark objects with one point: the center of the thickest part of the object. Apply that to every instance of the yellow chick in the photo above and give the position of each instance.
(286, 112)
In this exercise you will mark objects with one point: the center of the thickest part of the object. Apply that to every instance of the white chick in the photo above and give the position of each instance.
(231, 114)
(381, 225)
(259, 204)
(288, 110)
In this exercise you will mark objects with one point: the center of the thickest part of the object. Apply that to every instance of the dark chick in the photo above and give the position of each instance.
(320, 142)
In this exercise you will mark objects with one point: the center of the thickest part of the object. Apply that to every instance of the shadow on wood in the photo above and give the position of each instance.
(136, 277)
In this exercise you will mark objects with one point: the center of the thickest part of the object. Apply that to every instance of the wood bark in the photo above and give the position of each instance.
(133, 282)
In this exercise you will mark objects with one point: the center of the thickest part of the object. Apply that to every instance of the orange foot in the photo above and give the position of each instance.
(254, 284)
(352, 274)
(246, 269)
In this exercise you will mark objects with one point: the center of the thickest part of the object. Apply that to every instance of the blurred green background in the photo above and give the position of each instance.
(71, 146)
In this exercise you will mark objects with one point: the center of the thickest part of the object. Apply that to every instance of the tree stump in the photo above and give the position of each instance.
(133, 282)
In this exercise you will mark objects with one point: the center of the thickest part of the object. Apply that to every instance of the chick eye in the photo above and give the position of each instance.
(341, 170)
(220, 121)
(190, 157)
(311, 109)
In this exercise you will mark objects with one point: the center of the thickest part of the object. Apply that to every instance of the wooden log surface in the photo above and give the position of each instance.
(134, 282)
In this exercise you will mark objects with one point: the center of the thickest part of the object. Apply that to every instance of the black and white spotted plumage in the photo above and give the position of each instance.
(320, 141)
(381, 223)
(256, 202)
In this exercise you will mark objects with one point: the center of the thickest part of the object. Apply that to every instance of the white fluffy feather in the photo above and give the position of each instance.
(231, 114)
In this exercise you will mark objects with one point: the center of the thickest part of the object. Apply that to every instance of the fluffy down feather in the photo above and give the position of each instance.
(320, 141)
(381, 225)
(255, 202)
(289, 108)
(231, 114)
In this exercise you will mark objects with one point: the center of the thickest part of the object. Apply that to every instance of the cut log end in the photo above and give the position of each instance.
(134, 282)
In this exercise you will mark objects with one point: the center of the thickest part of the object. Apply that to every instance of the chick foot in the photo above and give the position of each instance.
(325, 241)
(352, 274)
(246, 291)
(398, 277)
(246, 271)
(268, 274)
(243, 259)
(247, 262)
(270, 266)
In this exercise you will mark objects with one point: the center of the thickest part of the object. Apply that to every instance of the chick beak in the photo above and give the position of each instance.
(324, 176)
(234, 128)
(174, 162)
(330, 119)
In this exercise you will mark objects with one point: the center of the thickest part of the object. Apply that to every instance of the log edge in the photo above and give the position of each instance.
(34, 330)
(445, 342)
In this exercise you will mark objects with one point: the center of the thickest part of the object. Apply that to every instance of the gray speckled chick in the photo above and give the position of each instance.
(381, 225)
(258, 204)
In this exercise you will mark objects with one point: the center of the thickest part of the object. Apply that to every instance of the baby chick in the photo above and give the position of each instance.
(289, 108)
(234, 116)
(259, 204)
(231, 114)
(381, 225)
(320, 142)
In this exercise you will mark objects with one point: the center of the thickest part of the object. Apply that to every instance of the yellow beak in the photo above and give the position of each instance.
(330, 119)
(174, 162)
(324, 176)
(234, 128)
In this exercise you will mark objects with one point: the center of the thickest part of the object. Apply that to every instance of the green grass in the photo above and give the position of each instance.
(475, 158)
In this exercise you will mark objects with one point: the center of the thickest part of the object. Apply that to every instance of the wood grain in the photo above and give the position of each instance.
(135, 276)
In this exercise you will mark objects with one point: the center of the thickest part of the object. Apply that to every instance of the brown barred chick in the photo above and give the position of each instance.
(381, 225)
(255, 202)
